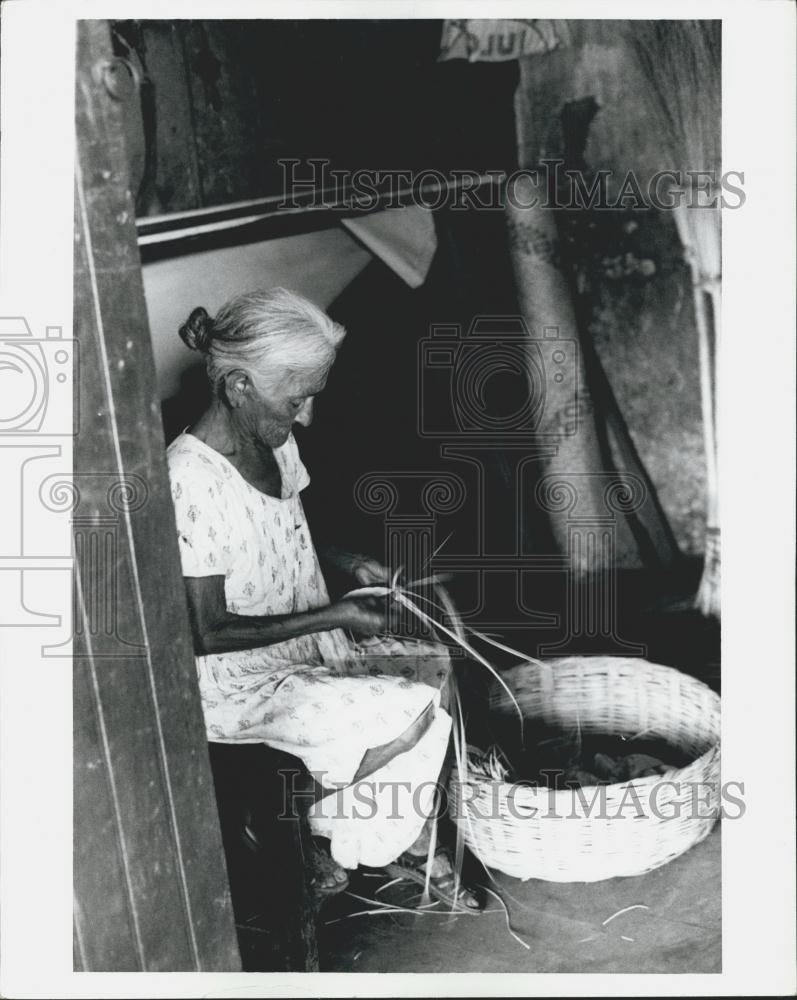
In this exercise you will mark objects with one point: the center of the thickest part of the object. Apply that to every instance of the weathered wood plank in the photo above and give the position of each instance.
(153, 739)
(105, 931)
(176, 168)
(230, 144)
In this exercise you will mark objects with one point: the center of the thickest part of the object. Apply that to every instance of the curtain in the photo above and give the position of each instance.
(596, 475)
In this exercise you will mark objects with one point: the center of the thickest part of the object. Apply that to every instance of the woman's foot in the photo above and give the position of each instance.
(420, 847)
(328, 877)
(443, 882)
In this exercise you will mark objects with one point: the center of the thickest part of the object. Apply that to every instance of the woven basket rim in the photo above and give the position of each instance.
(591, 664)
(543, 790)
(596, 664)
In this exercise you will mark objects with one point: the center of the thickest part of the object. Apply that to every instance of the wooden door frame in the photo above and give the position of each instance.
(151, 888)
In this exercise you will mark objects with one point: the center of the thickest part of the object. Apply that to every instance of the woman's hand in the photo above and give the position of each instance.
(370, 572)
(366, 571)
(365, 616)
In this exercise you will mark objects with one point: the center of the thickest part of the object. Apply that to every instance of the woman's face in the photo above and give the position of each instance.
(273, 402)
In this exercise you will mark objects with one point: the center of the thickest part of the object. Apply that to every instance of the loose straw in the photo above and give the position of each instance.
(625, 909)
(458, 633)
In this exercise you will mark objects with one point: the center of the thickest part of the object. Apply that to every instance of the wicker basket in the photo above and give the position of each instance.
(589, 834)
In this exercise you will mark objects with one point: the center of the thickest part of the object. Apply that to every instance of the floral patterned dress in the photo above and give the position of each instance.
(291, 695)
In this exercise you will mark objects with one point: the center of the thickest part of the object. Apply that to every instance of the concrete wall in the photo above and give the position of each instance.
(318, 265)
(632, 283)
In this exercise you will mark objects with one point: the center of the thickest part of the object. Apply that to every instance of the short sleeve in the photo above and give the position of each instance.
(299, 476)
(201, 524)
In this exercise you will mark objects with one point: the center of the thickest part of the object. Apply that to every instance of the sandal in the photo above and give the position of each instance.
(325, 869)
(442, 887)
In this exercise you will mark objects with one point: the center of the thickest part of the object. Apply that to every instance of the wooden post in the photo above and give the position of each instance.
(151, 889)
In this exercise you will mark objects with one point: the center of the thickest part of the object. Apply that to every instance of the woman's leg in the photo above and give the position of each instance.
(328, 875)
(376, 757)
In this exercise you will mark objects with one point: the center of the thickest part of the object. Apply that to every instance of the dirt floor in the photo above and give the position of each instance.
(563, 924)
(674, 926)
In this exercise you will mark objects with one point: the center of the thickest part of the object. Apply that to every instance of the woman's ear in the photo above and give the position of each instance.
(236, 386)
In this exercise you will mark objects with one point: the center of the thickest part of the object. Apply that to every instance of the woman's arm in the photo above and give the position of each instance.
(366, 571)
(217, 630)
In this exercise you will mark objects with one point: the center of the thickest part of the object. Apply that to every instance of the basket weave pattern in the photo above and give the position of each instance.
(569, 835)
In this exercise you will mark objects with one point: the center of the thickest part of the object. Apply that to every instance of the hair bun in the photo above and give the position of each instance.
(197, 331)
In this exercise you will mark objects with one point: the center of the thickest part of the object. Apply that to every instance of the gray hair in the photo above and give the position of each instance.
(263, 332)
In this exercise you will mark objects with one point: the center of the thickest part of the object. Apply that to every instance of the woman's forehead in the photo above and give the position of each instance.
(305, 383)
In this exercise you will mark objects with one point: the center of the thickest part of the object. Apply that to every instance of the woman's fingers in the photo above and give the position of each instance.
(364, 615)
(374, 620)
(370, 572)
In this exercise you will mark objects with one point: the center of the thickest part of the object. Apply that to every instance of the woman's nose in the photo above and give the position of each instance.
(305, 414)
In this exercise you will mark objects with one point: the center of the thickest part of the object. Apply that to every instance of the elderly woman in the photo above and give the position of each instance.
(269, 644)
